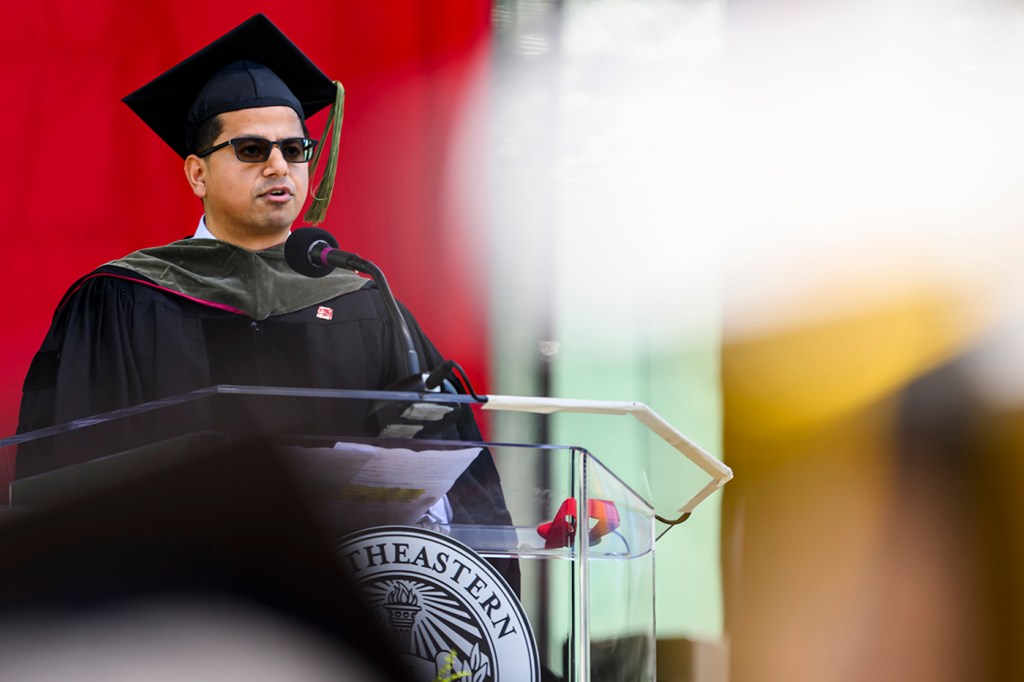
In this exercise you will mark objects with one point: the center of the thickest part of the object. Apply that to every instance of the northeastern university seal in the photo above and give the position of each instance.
(452, 615)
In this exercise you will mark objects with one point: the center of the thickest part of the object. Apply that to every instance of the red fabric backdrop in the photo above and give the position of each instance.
(87, 182)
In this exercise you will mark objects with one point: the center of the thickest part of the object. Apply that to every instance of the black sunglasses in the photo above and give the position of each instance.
(257, 149)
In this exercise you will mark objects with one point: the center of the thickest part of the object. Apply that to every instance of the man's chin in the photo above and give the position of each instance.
(277, 221)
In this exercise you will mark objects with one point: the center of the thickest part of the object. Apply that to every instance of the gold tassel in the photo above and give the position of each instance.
(322, 193)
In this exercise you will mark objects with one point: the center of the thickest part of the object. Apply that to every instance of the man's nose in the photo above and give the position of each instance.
(276, 162)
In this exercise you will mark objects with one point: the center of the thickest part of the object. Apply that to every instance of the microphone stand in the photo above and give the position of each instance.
(314, 252)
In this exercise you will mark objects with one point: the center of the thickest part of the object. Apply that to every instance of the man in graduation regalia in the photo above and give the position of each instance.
(224, 307)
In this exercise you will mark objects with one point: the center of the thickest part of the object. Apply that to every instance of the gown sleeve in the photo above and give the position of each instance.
(86, 364)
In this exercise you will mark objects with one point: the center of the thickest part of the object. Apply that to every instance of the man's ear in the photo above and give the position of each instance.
(195, 171)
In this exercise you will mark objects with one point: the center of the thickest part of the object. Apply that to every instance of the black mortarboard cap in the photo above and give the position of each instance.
(253, 65)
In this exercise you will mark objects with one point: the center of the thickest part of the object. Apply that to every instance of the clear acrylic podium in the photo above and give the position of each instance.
(583, 539)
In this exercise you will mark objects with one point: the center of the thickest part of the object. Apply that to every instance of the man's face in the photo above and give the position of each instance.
(252, 200)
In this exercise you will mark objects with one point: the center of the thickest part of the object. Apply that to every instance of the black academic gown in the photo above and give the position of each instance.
(120, 339)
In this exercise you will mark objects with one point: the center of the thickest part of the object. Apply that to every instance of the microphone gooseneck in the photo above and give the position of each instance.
(314, 252)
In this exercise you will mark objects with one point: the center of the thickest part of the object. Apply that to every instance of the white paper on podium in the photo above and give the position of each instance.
(361, 485)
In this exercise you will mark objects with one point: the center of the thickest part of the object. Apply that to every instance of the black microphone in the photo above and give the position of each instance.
(313, 252)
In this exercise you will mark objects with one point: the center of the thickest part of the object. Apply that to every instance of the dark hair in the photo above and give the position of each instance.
(205, 134)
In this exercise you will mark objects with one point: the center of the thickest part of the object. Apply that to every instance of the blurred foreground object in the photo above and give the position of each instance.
(207, 568)
(874, 531)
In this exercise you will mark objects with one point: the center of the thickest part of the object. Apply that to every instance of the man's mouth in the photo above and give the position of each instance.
(278, 193)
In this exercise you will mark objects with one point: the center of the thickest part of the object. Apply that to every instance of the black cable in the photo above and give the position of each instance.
(467, 384)
(622, 537)
(670, 523)
(675, 522)
(442, 371)
(438, 375)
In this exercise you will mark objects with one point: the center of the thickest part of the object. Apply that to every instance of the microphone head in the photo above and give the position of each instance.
(298, 251)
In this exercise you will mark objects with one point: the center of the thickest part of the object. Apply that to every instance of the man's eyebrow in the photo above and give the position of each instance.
(264, 137)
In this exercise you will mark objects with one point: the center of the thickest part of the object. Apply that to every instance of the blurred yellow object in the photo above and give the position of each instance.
(804, 376)
(816, 428)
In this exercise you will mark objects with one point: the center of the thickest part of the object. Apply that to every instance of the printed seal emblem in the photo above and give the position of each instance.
(452, 615)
